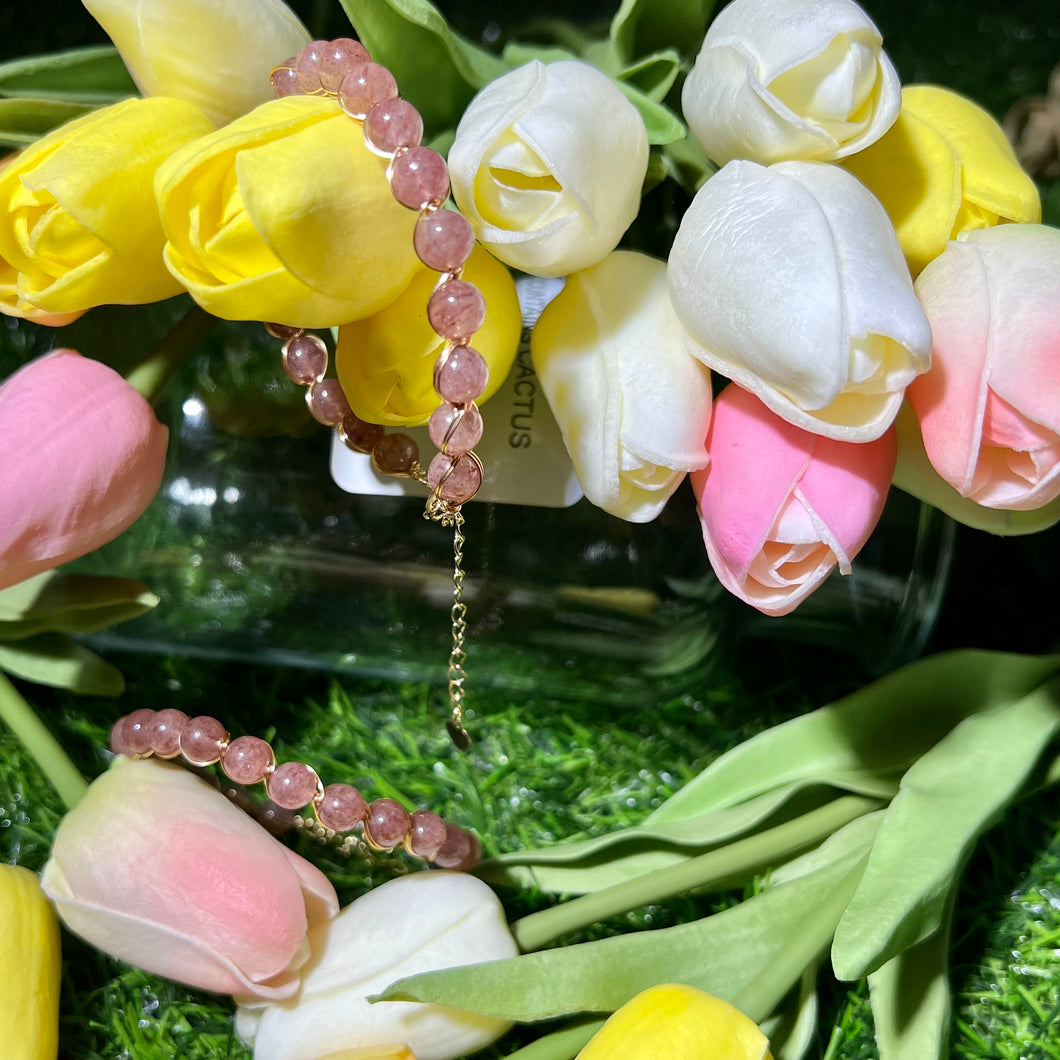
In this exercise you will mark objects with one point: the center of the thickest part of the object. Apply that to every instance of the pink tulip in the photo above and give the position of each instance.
(989, 408)
(156, 867)
(82, 456)
(781, 506)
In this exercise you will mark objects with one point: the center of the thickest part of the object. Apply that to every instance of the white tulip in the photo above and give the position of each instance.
(790, 79)
(622, 378)
(547, 165)
(792, 280)
(217, 54)
(417, 923)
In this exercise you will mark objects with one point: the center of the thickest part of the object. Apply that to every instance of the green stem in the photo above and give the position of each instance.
(724, 866)
(150, 376)
(41, 744)
(559, 1045)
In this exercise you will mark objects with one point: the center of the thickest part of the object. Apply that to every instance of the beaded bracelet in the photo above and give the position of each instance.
(385, 824)
(443, 240)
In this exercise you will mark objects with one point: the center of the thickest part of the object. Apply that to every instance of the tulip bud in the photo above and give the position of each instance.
(156, 867)
(989, 409)
(621, 377)
(547, 165)
(781, 507)
(677, 1022)
(791, 280)
(83, 455)
(942, 169)
(217, 54)
(790, 79)
(411, 924)
(30, 968)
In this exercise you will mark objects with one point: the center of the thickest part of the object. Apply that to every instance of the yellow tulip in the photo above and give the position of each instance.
(216, 54)
(386, 361)
(677, 1022)
(78, 223)
(30, 968)
(286, 216)
(943, 168)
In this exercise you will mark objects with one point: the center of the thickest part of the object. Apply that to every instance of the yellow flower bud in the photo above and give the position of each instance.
(943, 168)
(30, 968)
(383, 1052)
(680, 1023)
(286, 216)
(78, 223)
(386, 361)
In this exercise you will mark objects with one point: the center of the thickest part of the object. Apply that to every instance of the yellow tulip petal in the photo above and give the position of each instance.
(679, 1023)
(385, 362)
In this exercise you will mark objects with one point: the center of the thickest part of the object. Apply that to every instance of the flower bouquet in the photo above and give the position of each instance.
(728, 247)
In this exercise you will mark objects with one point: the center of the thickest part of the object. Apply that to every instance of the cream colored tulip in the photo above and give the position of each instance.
(790, 79)
(625, 383)
(548, 165)
(412, 924)
(217, 54)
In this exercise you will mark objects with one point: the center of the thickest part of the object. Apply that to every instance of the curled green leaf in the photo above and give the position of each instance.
(24, 120)
(93, 75)
(58, 661)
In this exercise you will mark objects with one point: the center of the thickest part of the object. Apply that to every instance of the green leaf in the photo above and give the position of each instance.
(81, 75)
(58, 601)
(516, 53)
(654, 75)
(436, 69)
(910, 998)
(642, 27)
(946, 800)
(792, 1028)
(22, 121)
(751, 955)
(58, 661)
(661, 124)
(560, 1045)
(686, 162)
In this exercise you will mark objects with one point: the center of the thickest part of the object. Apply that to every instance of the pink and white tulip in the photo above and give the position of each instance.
(989, 409)
(782, 507)
(156, 867)
(83, 455)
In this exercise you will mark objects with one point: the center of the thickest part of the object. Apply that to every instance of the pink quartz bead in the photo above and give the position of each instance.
(461, 850)
(395, 454)
(307, 65)
(164, 732)
(131, 735)
(418, 177)
(461, 483)
(456, 310)
(386, 824)
(443, 240)
(247, 759)
(336, 61)
(285, 81)
(341, 808)
(463, 431)
(117, 744)
(200, 740)
(292, 785)
(327, 403)
(364, 86)
(426, 834)
(391, 124)
(305, 358)
(461, 374)
(360, 435)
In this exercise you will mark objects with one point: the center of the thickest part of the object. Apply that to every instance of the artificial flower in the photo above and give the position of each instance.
(782, 507)
(386, 361)
(66, 239)
(943, 168)
(677, 1022)
(83, 456)
(791, 280)
(548, 165)
(156, 867)
(285, 215)
(225, 71)
(621, 377)
(30, 967)
(989, 409)
(790, 79)
(411, 924)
